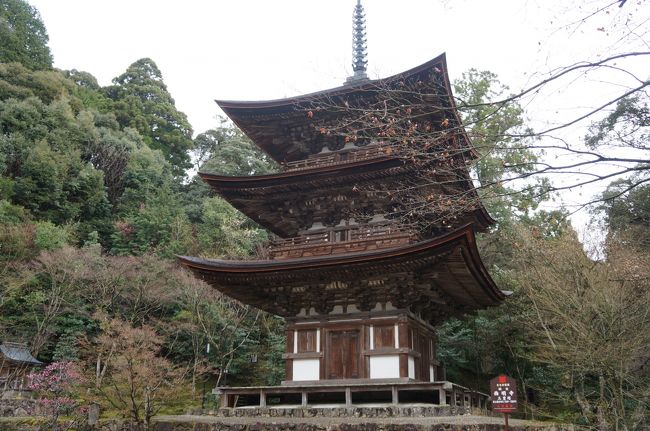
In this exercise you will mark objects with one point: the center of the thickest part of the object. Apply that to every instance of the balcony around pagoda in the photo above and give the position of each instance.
(345, 239)
(341, 157)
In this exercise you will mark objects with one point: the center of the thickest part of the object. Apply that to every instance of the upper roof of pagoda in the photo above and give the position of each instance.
(284, 129)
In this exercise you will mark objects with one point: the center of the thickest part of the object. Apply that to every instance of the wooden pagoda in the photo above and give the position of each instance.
(360, 288)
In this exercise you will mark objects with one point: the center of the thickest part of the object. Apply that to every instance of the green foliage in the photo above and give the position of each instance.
(50, 237)
(626, 202)
(19, 82)
(496, 132)
(12, 214)
(227, 151)
(628, 125)
(158, 225)
(23, 37)
(143, 103)
(627, 212)
(99, 169)
(145, 176)
(225, 232)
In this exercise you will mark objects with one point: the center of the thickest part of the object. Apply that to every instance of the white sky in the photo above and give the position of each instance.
(261, 49)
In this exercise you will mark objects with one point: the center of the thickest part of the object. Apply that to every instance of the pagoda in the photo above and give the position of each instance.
(360, 284)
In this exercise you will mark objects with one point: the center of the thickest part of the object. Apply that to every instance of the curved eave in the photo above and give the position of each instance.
(289, 102)
(464, 236)
(484, 218)
(223, 182)
(237, 110)
(228, 186)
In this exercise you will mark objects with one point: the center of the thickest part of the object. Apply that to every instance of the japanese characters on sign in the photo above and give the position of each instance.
(503, 391)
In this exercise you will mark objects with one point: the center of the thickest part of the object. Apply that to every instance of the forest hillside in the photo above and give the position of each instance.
(96, 199)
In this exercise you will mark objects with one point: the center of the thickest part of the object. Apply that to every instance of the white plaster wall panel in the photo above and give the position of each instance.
(432, 374)
(384, 367)
(306, 369)
(411, 367)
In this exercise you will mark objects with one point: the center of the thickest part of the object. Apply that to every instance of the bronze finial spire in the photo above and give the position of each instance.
(359, 47)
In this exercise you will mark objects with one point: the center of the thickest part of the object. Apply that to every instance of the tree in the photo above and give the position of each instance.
(500, 156)
(234, 333)
(590, 325)
(56, 385)
(19, 82)
(143, 103)
(227, 151)
(627, 213)
(225, 232)
(138, 381)
(23, 37)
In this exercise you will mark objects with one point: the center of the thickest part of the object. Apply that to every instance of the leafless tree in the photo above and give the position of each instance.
(589, 322)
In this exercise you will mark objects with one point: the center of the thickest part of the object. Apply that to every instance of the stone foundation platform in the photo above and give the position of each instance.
(334, 411)
(213, 423)
(442, 423)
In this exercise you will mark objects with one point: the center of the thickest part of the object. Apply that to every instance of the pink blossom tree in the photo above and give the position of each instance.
(55, 388)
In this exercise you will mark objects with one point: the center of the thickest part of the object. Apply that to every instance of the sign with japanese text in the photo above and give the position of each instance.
(503, 391)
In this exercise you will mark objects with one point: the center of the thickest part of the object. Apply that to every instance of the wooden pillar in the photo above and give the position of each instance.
(348, 396)
(443, 397)
(223, 401)
(288, 369)
(288, 364)
(321, 348)
(394, 394)
(262, 398)
(403, 365)
(303, 399)
(404, 336)
(403, 339)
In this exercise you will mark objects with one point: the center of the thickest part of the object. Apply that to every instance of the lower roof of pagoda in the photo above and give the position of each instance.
(438, 278)
(278, 201)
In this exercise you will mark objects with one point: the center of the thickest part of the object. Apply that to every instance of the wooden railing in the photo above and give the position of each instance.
(343, 240)
(339, 157)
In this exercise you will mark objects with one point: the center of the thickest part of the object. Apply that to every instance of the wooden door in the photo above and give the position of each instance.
(343, 355)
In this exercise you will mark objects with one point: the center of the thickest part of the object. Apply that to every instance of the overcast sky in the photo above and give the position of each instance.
(260, 49)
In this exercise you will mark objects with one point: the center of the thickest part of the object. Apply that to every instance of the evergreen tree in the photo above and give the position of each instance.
(23, 37)
(143, 102)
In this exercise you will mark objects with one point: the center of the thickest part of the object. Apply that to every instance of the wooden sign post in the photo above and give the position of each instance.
(503, 390)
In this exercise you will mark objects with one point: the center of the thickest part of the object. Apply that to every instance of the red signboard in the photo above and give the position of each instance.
(503, 391)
